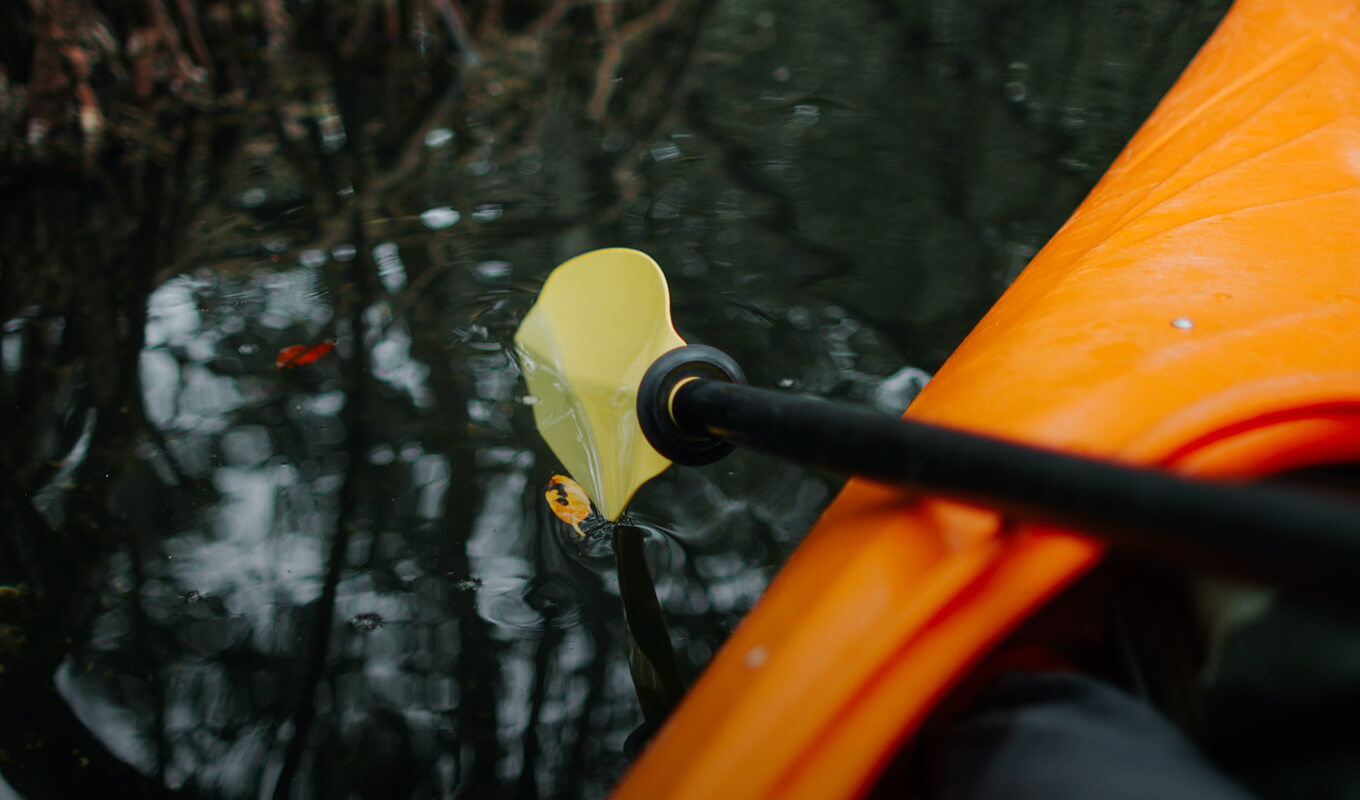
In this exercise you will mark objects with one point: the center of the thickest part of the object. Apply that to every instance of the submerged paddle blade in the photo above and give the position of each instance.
(599, 323)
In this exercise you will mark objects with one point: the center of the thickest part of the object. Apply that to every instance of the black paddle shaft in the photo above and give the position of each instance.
(1252, 529)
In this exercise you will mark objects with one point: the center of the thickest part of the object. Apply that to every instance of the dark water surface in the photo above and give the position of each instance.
(342, 579)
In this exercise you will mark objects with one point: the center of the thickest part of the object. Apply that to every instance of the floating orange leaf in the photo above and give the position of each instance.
(568, 501)
(300, 355)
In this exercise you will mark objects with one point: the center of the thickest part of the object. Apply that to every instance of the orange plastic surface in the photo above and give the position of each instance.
(1235, 208)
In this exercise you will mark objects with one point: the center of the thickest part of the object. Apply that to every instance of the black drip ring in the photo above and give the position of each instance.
(653, 402)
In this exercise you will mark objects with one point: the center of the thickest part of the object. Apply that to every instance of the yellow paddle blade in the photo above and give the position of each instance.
(599, 323)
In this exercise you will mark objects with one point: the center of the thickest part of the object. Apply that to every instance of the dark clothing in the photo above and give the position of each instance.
(1067, 736)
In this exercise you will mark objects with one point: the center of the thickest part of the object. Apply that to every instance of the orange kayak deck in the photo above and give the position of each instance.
(1200, 311)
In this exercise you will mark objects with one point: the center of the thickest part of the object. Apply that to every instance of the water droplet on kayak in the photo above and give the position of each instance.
(757, 656)
(439, 217)
(1183, 323)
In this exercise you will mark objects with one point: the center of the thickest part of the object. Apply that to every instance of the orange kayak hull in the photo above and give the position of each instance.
(1200, 311)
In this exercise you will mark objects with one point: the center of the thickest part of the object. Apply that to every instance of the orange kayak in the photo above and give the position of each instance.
(1200, 312)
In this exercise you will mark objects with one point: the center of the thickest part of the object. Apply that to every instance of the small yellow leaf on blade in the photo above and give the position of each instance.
(568, 501)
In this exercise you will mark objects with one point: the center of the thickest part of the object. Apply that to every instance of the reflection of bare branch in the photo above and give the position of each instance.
(477, 669)
(577, 769)
(145, 653)
(370, 192)
(358, 31)
(625, 172)
(99, 290)
(544, 650)
(61, 757)
(491, 18)
(168, 34)
(319, 638)
(195, 35)
(616, 45)
(29, 534)
(451, 11)
(412, 154)
(318, 645)
(277, 24)
(551, 17)
(604, 19)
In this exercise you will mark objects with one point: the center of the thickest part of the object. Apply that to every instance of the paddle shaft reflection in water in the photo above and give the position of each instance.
(1258, 531)
(651, 659)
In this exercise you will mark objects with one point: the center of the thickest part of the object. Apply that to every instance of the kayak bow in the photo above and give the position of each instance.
(1200, 312)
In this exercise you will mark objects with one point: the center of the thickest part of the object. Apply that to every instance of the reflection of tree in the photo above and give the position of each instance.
(904, 160)
(143, 637)
(243, 577)
(477, 670)
(70, 502)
